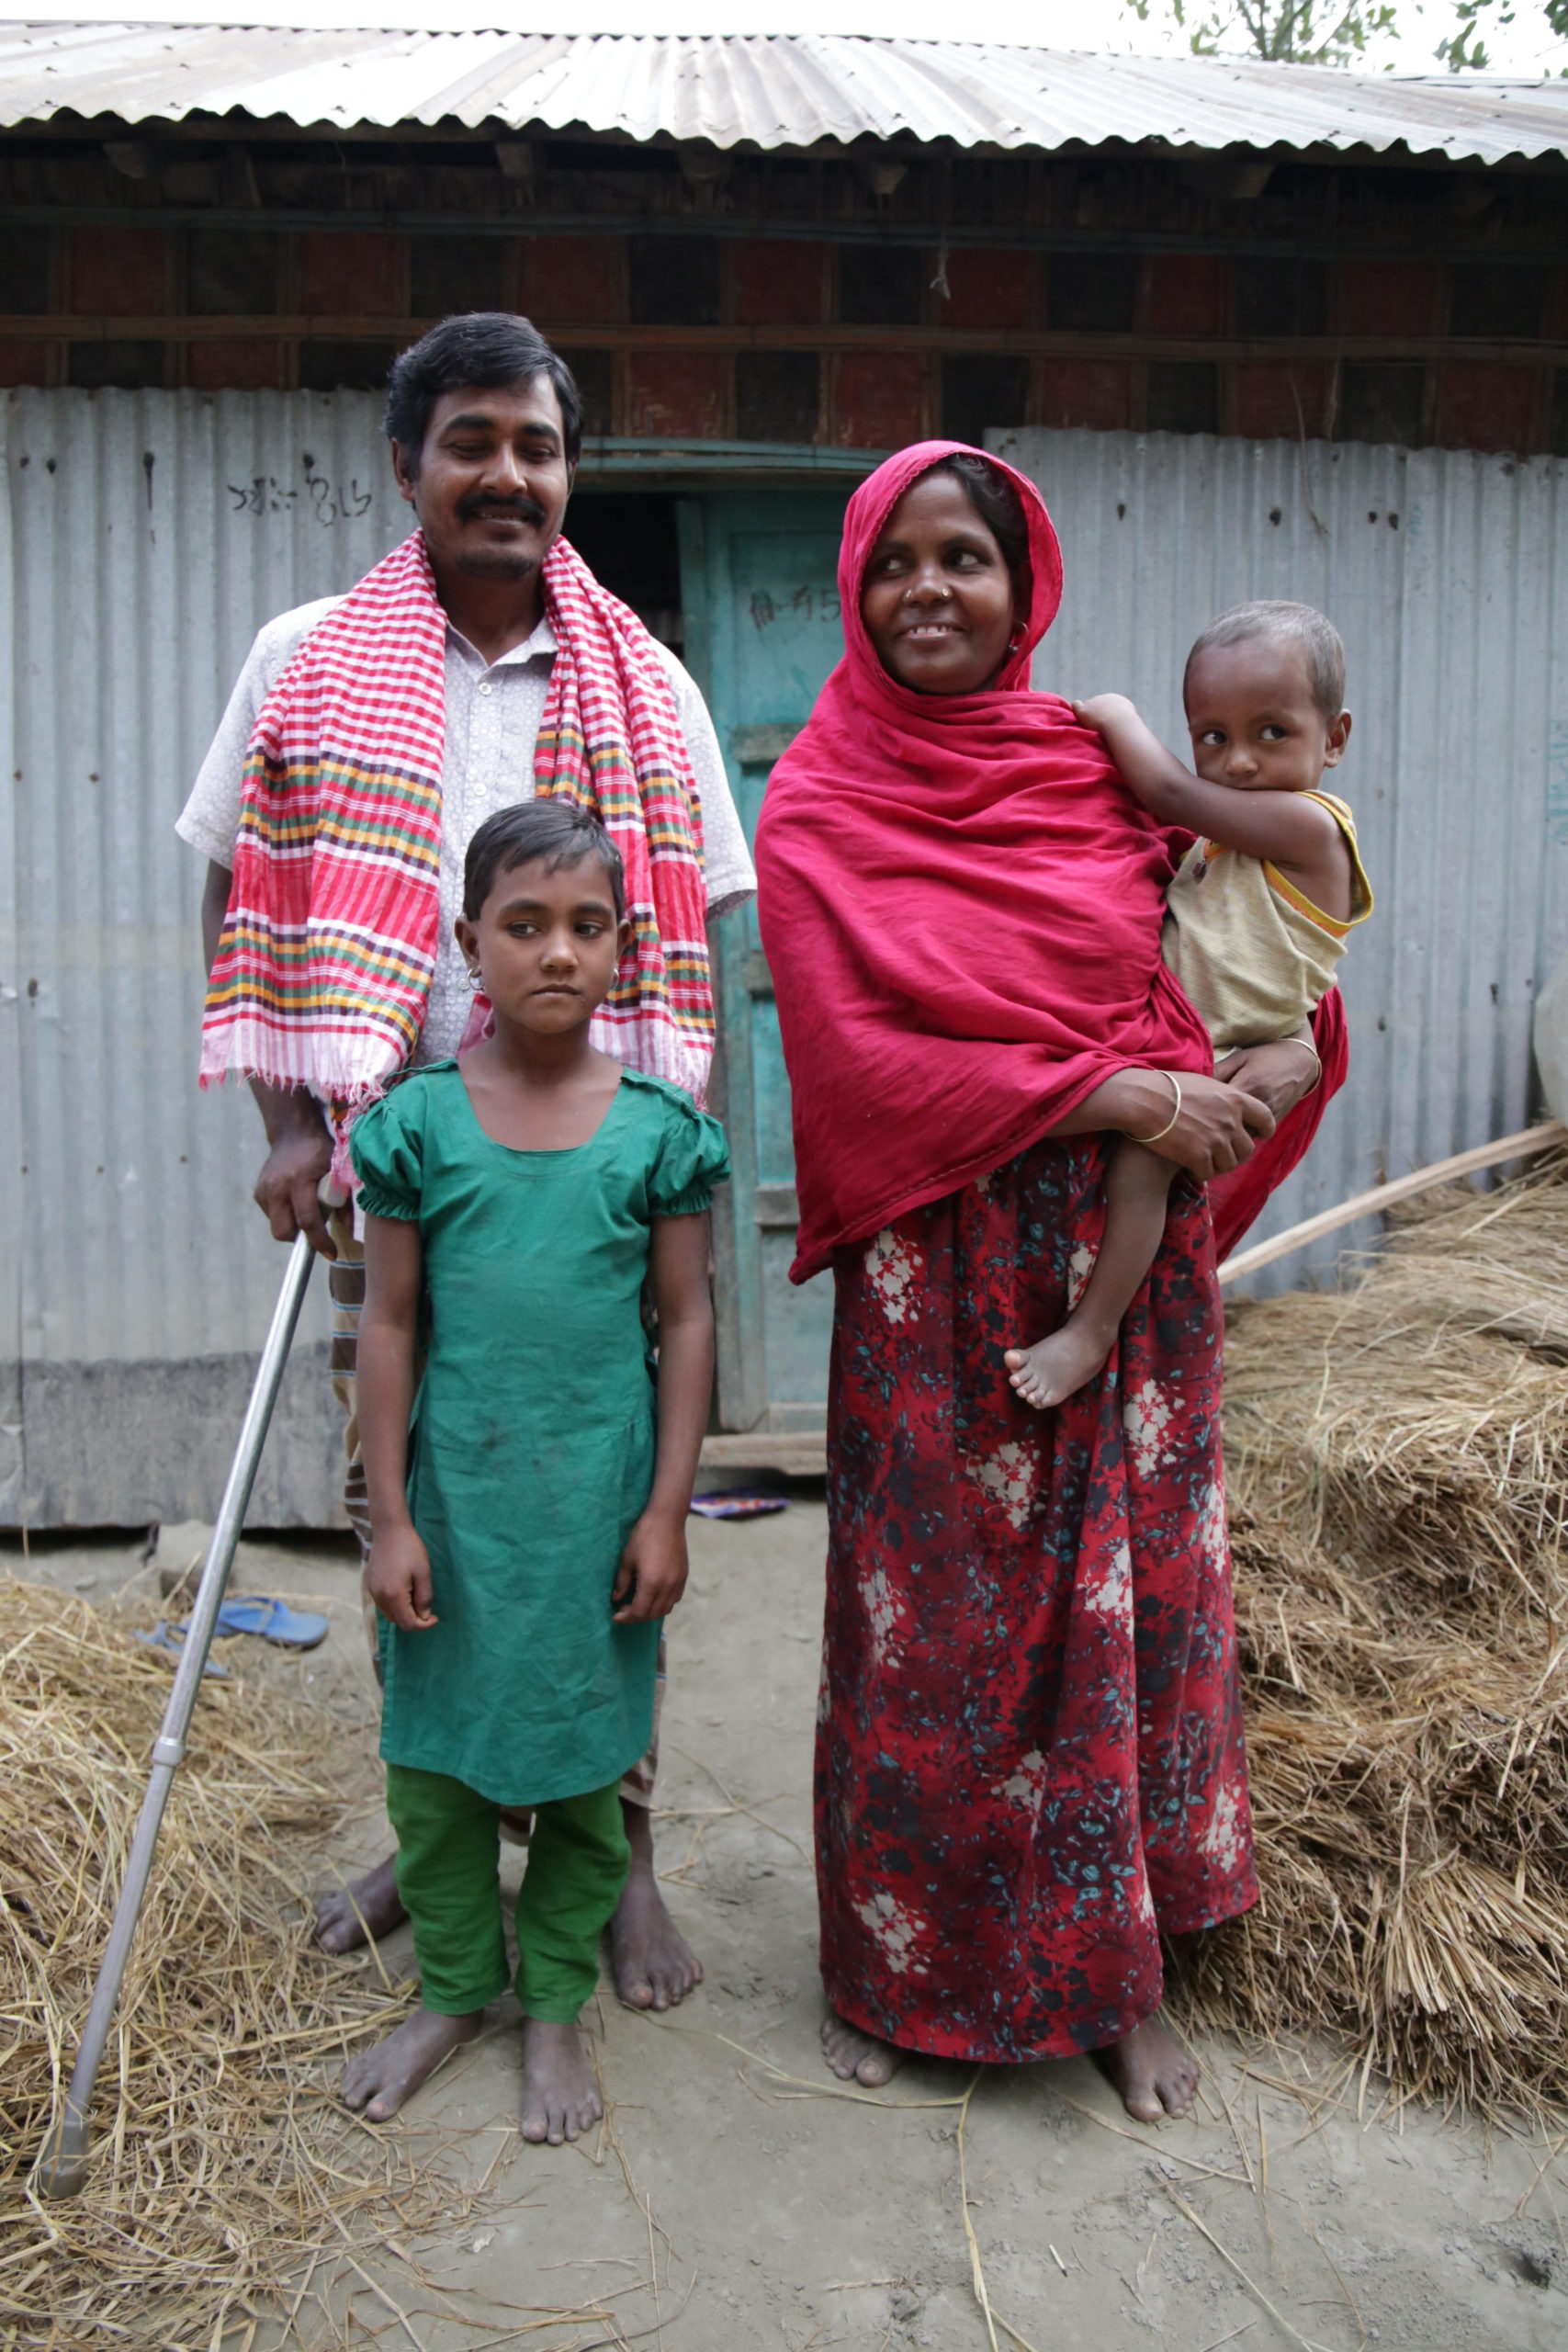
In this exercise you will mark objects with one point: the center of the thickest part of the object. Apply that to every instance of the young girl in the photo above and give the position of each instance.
(528, 1507)
(1257, 918)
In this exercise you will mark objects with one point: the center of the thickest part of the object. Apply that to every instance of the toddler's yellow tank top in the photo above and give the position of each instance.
(1250, 949)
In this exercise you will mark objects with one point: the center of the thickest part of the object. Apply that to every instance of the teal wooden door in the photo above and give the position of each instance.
(759, 585)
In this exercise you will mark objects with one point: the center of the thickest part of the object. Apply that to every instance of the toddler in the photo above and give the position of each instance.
(1257, 918)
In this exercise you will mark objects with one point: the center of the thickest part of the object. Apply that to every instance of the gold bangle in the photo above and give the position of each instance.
(1161, 1132)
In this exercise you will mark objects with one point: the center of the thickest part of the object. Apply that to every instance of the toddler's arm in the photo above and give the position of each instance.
(652, 1574)
(1285, 827)
(398, 1575)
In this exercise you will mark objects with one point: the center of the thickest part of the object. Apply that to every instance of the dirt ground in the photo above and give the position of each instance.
(774, 2213)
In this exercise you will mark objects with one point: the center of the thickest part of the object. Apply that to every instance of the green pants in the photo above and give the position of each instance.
(448, 1848)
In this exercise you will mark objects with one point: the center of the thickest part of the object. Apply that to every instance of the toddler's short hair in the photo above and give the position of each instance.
(1300, 625)
(552, 833)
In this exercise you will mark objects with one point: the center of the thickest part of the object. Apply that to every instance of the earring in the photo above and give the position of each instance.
(476, 978)
(615, 974)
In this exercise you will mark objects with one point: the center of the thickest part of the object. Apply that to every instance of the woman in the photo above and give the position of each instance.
(1029, 1758)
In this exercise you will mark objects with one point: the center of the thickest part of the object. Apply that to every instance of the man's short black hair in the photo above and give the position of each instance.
(486, 349)
(551, 833)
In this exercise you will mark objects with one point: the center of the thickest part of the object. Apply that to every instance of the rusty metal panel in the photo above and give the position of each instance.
(772, 90)
(1447, 574)
(151, 534)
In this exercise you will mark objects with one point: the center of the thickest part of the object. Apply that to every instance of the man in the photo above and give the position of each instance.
(485, 425)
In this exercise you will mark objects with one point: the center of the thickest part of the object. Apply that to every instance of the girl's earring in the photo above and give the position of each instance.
(476, 978)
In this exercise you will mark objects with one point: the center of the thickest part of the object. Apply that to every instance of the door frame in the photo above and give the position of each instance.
(757, 1428)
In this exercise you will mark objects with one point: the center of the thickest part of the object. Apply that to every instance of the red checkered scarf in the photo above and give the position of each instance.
(323, 968)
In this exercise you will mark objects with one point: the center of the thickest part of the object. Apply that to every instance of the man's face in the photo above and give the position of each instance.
(490, 486)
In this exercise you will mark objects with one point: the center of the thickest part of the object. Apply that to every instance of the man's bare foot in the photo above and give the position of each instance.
(339, 1927)
(1151, 2070)
(378, 2081)
(1054, 1368)
(561, 2097)
(655, 1967)
(858, 2057)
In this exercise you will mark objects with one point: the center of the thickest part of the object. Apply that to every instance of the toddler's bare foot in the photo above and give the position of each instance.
(379, 2080)
(1053, 1368)
(655, 1967)
(339, 1927)
(858, 2057)
(1151, 2070)
(561, 2097)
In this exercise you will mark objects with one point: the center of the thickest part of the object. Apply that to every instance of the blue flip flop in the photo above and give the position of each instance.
(160, 1638)
(291, 1629)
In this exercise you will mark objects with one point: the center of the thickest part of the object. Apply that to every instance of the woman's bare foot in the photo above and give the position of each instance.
(1056, 1367)
(561, 2097)
(655, 1967)
(858, 2057)
(1151, 2070)
(340, 1926)
(378, 2081)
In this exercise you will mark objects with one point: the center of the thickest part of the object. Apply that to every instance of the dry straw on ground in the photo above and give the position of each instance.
(220, 2167)
(1398, 1463)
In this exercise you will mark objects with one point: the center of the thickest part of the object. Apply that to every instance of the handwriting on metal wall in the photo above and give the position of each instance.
(803, 604)
(317, 493)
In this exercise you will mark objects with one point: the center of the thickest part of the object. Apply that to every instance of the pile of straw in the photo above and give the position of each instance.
(220, 2165)
(1398, 1463)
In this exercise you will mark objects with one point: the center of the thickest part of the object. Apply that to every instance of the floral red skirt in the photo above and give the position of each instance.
(1028, 1756)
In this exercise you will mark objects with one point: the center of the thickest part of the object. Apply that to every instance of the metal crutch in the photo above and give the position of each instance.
(61, 2167)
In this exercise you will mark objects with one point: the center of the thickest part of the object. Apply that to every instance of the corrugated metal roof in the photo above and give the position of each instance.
(773, 90)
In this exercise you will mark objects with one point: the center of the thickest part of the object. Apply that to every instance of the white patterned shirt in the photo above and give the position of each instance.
(493, 712)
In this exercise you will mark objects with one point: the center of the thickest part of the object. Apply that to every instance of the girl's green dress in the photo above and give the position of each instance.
(531, 1451)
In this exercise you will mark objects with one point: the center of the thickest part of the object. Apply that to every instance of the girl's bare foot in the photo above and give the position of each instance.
(857, 2056)
(1055, 1368)
(378, 2081)
(655, 1967)
(561, 2097)
(340, 1926)
(1151, 2070)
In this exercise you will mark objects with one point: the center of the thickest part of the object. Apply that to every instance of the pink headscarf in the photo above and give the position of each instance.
(961, 903)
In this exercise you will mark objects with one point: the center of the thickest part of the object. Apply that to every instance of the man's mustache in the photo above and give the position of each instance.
(479, 502)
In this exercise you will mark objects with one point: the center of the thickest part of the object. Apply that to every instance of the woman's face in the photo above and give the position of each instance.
(937, 599)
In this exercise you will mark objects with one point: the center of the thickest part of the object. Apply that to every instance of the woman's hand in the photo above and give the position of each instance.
(1281, 1074)
(1215, 1129)
(398, 1578)
(652, 1574)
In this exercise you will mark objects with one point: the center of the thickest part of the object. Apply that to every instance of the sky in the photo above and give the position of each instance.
(1525, 47)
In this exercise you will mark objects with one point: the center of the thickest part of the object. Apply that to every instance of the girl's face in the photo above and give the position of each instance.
(936, 600)
(546, 946)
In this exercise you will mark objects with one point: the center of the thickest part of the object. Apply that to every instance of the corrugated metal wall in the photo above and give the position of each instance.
(144, 537)
(148, 535)
(1447, 575)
